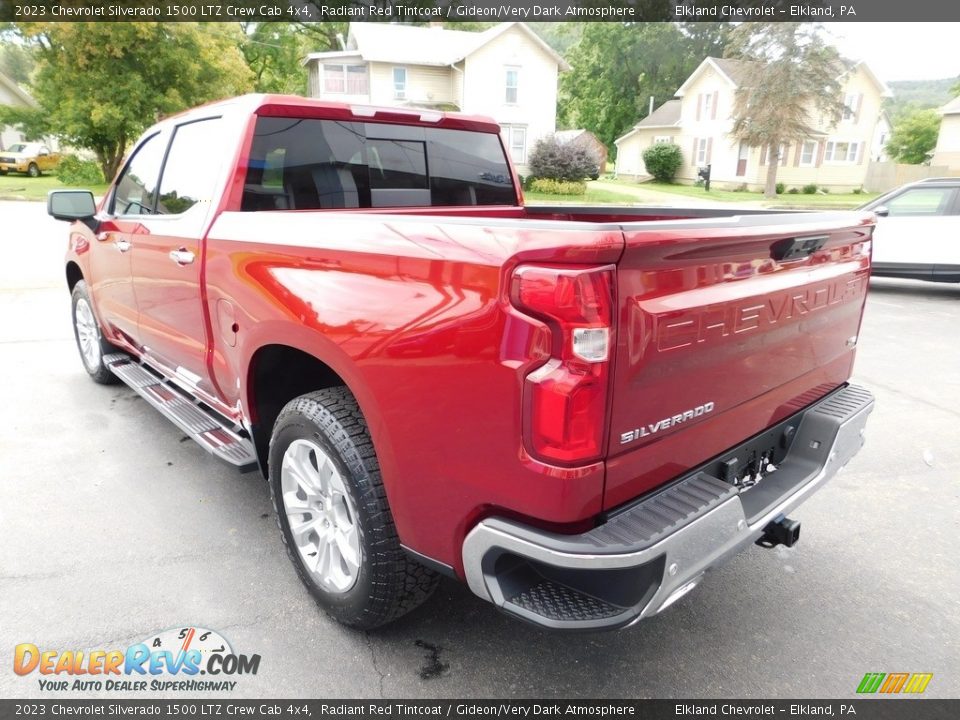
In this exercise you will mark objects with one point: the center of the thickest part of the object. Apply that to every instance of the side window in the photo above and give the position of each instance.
(192, 166)
(924, 202)
(135, 188)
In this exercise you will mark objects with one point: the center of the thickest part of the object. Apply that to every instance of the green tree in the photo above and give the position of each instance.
(99, 85)
(914, 137)
(790, 75)
(16, 62)
(617, 67)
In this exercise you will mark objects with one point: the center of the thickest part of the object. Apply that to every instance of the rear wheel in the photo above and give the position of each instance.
(33, 170)
(90, 340)
(333, 513)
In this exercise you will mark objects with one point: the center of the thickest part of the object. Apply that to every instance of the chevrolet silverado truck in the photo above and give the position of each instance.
(577, 411)
(29, 158)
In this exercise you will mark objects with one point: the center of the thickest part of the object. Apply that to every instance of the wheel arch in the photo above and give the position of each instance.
(74, 275)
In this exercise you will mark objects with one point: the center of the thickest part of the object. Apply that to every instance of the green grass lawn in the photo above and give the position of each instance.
(836, 200)
(593, 196)
(21, 187)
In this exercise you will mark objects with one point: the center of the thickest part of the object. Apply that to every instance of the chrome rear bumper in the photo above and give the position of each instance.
(642, 560)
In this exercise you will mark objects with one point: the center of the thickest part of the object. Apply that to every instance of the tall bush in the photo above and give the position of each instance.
(663, 160)
(554, 160)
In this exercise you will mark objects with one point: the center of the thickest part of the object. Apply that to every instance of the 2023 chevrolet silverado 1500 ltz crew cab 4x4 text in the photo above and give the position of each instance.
(575, 410)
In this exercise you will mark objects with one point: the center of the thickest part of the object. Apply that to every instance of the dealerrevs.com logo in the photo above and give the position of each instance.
(172, 660)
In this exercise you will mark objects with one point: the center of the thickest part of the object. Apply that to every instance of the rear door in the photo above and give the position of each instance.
(167, 259)
(727, 325)
(919, 229)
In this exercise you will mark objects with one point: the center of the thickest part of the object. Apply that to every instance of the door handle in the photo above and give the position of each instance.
(122, 245)
(182, 256)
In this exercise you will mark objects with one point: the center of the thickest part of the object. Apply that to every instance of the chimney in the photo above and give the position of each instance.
(651, 106)
(341, 41)
(436, 25)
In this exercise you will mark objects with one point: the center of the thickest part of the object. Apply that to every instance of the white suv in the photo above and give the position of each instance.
(918, 231)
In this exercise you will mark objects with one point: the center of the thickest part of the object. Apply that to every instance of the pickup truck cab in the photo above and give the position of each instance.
(575, 410)
(32, 159)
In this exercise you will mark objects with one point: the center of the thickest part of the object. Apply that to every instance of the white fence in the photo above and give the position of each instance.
(883, 176)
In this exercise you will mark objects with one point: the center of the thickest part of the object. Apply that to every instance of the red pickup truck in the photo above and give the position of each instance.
(576, 410)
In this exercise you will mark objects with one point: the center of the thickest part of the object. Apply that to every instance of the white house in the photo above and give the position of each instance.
(507, 72)
(947, 152)
(700, 121)
(13, 95)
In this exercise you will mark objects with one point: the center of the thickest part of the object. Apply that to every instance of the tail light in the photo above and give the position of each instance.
(565, 399)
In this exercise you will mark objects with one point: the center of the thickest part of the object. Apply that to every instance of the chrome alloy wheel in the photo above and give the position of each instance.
(321, 516)
(88, 336)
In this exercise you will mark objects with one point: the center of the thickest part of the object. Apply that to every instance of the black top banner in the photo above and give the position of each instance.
(479, 10)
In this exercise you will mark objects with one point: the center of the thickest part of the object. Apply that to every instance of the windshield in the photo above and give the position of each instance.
(22, 147)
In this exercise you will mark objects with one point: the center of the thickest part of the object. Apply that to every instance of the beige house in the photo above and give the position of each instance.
(947, 152)
(507, 72)
(12, 95)
(700, 121)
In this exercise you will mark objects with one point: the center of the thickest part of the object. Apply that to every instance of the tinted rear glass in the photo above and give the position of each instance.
(304, 164)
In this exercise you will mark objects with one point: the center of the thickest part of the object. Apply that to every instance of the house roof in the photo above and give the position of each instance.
(417, 45)
(17, 91)
(952, 107)
(565, 136)
(665, 116)
(734, 71)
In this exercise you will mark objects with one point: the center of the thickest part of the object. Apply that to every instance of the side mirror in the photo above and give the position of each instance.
(71, 205)
(881, 211)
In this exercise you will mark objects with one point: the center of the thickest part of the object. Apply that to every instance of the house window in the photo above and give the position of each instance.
(849, 106)
(344, 79)
(701, 157)
(515, 137)
(400, 83)
(513, 86)
(708, 105)
(841, 151)
(662, 139)
(808, 153)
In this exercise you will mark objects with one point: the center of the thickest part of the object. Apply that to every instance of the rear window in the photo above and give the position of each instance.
(305, 164)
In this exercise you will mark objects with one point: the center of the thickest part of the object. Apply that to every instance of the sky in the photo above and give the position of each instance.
(901, 51)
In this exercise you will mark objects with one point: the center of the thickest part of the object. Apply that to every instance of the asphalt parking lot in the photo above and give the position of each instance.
(112, 528)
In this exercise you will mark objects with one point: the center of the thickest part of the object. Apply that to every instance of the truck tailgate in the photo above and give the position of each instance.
(726, 326)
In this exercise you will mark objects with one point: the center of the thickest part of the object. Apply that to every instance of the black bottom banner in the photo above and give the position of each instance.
(863, 709)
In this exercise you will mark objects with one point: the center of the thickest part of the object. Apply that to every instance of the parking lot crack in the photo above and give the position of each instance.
(376, 665)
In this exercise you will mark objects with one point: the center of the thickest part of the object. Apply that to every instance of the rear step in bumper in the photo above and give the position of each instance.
(205, 428)
(644, 559)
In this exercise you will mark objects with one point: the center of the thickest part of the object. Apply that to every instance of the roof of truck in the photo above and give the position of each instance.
(263, 104)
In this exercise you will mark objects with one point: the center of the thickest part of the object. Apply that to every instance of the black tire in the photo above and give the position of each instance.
(33, 170)
(99, 372)
(389, 583)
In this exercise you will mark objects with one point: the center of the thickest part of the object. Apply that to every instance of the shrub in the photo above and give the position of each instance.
(663, 160)
(857, 191)
(825, 191)
(742, 187)
(548, 186)
(781, 188)
(809, 189)
(74, 171)
(793, 191)
(554, 160)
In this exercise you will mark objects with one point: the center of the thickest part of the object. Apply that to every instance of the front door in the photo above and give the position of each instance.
(121, 228)
(742, 158)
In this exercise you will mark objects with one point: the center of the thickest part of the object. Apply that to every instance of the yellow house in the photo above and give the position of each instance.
(947, 152)
(507, 72)
(700, 121)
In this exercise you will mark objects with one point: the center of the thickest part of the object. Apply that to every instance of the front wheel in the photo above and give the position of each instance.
(33, 170)
(90, 340)
(333, 513)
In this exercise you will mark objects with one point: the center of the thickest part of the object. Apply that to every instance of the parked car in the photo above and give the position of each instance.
(918, 231)
(575, 410)
(31, 158)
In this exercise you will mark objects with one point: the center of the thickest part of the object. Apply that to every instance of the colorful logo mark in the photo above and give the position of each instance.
(894, 683)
